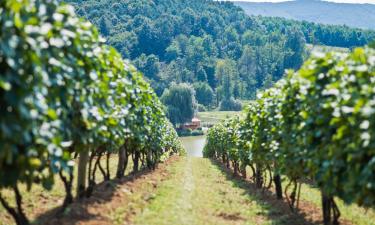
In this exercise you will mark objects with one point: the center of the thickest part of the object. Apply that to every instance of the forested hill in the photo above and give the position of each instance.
(330, 35)
(353, 15)
(213, 45)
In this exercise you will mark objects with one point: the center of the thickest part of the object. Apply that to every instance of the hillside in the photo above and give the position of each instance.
(319, 34)
(316, 11)
(213, 45)
(209, 42)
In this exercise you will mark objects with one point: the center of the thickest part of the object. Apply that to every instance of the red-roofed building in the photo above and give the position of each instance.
(194, 124)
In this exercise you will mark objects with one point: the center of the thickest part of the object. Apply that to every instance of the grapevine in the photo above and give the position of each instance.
(317, 124)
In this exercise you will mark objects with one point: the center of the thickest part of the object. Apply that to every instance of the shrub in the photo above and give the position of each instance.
(201, 108)
(230, 105)
(197, 133)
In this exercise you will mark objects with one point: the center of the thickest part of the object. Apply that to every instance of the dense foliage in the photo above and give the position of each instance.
(318, 124)
(180, 103)
(63, 93)
(331, 35)
(189, 41)
(204, 94)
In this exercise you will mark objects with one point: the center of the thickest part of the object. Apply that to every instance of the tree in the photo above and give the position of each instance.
(180, 103)
(227, 86)
(236, 89)
(268, 82)
(295, 45)
(203, 93)
(172, 52)
(247, 70)
(225, 72)
(246, 64)
(201, 74)
(149, 65)
(104, 25)
(230, 105)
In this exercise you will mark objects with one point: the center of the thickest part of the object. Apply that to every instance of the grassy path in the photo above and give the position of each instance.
(183, 191)
(201, 192)
(197, 192)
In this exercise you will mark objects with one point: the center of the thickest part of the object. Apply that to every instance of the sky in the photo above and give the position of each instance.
(353, 1)
(338, 1)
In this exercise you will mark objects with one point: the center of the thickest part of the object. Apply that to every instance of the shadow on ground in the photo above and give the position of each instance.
(78, 212)
(275, 210)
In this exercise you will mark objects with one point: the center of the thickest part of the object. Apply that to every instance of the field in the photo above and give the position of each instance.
(324, 48)
(213, 117)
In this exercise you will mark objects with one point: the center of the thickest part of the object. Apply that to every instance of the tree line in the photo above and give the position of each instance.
(66, 98)
(316, 125)
(318, 34)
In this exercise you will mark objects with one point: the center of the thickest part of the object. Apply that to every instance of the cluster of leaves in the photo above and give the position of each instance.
(317, 123)
(64, 92)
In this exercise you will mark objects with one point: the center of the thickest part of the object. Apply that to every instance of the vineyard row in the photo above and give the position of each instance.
(66, 97)
(316, 124)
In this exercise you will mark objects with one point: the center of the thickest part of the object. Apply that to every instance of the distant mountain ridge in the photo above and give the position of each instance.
(353, 15)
